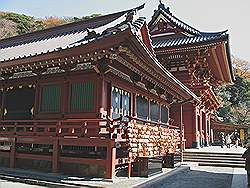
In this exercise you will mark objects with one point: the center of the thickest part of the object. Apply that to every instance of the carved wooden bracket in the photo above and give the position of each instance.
(197, 65)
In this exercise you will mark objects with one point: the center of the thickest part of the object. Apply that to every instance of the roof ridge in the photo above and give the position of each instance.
(165, 10)
(69, 27)
(179, 23)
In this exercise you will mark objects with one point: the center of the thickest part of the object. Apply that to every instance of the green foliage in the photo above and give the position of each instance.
(91, 16)
(24, 23)
(27, 24)
(236, 102)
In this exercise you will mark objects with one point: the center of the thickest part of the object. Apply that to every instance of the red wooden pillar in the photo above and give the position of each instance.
(94, 128)
(195, 143)
(13, 154)
(181, 131)
(209, 129)
(55, 156)
(201, 129)
(204, 122)
(110, 164)
(101, 95)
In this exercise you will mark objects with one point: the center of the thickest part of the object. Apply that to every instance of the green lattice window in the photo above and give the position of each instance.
(82, 97)
(142, 107)
(164, 114)
(154, 111)
(51, 98)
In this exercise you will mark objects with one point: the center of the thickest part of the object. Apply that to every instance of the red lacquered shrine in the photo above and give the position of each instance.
(90, 97)
(200, 60)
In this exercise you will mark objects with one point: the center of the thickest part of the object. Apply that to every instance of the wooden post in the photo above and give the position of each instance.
(13, 154)
(101, 95)
(129, 169)
(195, 128)
(65, 97)
(181, 131)
(109, 99)
(37, 99)
(209, 130)
(134, 114)
(205, 129)
(110, 165)
(2, 104)
(200, 123)
(55, 156)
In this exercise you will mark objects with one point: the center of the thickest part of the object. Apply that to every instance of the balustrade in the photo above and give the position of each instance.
(74, 127)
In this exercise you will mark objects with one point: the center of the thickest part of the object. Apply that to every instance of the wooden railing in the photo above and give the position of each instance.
(72, 127)
(152, 122)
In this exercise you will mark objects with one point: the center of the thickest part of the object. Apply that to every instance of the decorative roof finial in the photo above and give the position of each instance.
(162, 6)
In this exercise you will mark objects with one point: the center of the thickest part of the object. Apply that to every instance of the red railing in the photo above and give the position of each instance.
(61, 128)
(72, 127)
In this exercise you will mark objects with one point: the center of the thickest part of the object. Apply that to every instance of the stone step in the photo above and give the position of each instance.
(217, 153)
(222, 165)
(213, 155)
(215, 161)
(214, 158)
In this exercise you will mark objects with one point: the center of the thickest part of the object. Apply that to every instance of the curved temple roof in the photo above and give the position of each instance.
(67, 36)
(80, 33)
(194, 35)
(170, 33)
(179, 41)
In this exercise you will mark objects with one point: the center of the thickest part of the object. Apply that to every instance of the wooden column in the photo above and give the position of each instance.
(37, 99)
(65, 97)
(181, 131)
(129, 169)
(13, 154)
(204, 122)
(134, 114)
(201, 127)
(101, 95)
(109, 99)
(149, 113)
(2, 103)
(195, 129)
(55, 156)
(209, 130)
(111, 157)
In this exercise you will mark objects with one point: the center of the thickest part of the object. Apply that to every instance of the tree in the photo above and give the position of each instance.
(236, 97)
(242, 68)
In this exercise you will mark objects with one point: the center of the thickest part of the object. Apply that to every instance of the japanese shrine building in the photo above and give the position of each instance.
(198, 59)
(86, 98)
(91, 97)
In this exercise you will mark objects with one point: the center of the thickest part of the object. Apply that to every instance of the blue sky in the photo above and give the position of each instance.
(212, 15)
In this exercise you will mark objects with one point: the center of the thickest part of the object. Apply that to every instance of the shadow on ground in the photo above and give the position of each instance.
(193, 178)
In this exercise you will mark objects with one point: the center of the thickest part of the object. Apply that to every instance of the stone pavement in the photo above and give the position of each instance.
(202, 177)
(218, 149)
(186, 176)
(239, 178)
(55, 180)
